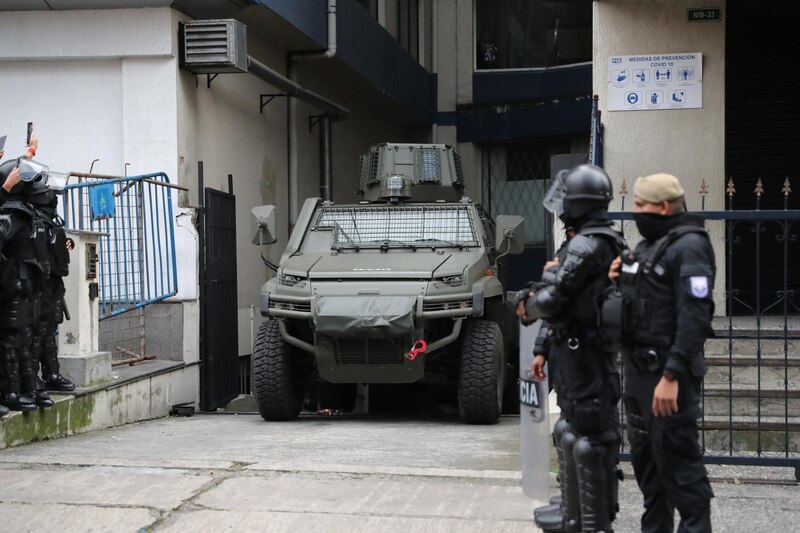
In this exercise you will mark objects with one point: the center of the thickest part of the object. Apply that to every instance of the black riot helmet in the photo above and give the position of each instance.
(579, 194)
(5, 170)
(32, 176)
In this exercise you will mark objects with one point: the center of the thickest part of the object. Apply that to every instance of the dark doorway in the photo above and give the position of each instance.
(762, 129)
(219, 348)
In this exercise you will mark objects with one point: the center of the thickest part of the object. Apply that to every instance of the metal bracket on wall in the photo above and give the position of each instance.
(267, 98)
(313, 120)
(209, 79)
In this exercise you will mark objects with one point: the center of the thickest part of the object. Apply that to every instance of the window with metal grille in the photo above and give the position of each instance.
(532, 33)
(446, 225)
(517, 180)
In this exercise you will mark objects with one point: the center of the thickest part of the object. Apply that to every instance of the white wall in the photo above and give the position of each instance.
(222, 126)
(689, 143)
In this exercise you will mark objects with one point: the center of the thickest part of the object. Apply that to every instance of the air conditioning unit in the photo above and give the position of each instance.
(213, 46)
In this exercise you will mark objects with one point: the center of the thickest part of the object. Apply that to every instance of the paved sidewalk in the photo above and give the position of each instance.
(238, 473)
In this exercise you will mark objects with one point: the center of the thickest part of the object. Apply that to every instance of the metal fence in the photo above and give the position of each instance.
(136, 250)
(751, 394)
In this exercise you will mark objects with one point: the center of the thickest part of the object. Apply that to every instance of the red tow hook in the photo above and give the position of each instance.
(419, 347)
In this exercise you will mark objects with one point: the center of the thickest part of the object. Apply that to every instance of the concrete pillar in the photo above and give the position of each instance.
(78, 353)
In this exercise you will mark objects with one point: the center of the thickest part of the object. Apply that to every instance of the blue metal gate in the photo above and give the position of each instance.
(136, 250)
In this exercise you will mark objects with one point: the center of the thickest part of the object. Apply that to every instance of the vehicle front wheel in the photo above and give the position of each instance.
(278, 379)
(481, 374)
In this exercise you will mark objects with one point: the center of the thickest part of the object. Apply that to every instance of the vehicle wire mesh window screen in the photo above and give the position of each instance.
(418, 226)
(532, 33)
(428, 164)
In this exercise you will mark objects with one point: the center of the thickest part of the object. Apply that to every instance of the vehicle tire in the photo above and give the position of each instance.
(337, 396)
(481, 376)
(278, 381)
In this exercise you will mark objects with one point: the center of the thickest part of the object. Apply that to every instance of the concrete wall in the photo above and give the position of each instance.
(222, 126)
(689, 143)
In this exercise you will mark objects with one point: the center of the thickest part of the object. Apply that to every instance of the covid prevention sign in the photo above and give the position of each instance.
(655, 81)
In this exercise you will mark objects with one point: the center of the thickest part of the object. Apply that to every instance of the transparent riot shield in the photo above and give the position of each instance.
(533, 419)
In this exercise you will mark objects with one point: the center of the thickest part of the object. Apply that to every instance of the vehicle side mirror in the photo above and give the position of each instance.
(509, 234)
(264, 216)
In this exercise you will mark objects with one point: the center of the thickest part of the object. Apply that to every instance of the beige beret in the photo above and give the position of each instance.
(657, 188)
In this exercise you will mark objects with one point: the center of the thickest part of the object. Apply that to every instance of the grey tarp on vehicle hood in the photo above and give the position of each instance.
(364, 316)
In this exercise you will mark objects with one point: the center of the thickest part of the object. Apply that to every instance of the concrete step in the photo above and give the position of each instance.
(752, 347)
(719, 400)
(140, 398)
(767, 373)
(716, 432)
(745, 431)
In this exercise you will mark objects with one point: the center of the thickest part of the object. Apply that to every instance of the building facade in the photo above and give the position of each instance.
(509, 83)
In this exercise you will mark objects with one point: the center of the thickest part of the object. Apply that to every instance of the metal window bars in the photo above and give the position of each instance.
(365, 226)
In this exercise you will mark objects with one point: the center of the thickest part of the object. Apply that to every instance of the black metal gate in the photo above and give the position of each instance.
(219, 349)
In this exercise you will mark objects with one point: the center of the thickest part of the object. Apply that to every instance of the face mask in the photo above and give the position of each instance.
(651, 226)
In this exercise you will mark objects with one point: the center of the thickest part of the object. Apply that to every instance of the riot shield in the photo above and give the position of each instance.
(533, 420)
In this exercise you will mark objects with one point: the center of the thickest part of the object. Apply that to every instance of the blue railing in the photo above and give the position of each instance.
(136, 250)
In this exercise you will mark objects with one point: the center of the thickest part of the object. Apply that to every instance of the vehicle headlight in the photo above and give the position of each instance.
(453, 281)
(289, 280)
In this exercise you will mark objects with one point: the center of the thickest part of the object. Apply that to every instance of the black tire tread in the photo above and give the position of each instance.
(481, 369)
(271, 375)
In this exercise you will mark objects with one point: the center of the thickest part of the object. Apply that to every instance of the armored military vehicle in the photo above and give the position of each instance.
(402, 286)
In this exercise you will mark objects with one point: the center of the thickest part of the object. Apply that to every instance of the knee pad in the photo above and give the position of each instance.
(15, 313)
(558, 431)
(9, 341)
(585, 453)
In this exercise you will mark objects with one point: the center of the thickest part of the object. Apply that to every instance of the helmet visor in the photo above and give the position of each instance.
(554, 198)
(30, 170)
(56, 181)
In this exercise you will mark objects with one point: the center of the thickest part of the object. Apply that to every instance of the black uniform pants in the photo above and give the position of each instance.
(666, 456)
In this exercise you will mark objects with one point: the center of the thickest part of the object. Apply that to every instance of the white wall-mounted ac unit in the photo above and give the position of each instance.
(213, 46)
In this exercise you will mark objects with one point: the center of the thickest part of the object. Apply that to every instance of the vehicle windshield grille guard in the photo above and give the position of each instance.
(366, 226)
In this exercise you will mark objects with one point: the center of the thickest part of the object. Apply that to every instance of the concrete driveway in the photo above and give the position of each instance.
(239, 473)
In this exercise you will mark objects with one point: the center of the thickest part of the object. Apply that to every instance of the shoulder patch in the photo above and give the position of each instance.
(699, 286)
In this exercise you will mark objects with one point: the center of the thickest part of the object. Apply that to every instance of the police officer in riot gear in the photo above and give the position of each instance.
(590, 433)
(25, 263)
(663, 313)
(45, 344)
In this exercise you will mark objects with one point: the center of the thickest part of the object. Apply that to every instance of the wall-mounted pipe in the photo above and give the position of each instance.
(326, 157)
(325, 160)
(292, 88)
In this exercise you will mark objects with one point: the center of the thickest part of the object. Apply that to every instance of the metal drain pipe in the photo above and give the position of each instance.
(326, 153)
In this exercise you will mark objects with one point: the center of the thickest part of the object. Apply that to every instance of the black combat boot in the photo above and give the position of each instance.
(28, 379)
(12, 396)
(53, 380)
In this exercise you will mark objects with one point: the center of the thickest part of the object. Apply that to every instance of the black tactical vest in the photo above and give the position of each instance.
(583, 308)
(649, 318)
(30, 245)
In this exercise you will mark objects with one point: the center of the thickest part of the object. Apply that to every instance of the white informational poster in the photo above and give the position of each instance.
(655, 81)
